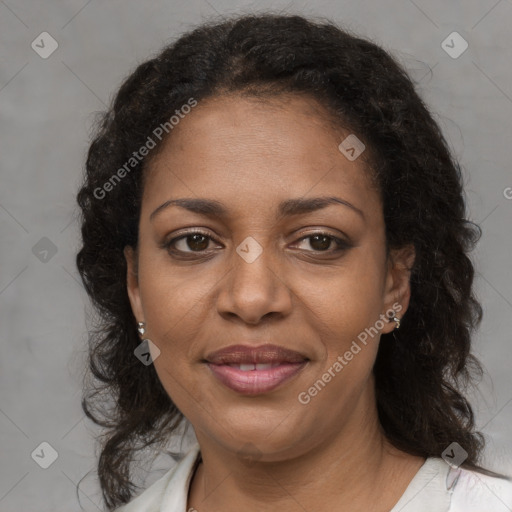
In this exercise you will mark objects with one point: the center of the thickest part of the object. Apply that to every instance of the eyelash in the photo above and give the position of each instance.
(341, 244)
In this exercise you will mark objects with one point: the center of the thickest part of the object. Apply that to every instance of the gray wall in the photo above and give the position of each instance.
(47, 108)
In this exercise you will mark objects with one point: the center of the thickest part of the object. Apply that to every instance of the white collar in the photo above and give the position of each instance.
(430, 489)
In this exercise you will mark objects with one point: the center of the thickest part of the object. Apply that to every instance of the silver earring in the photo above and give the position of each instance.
(141, 327)
(394, 318)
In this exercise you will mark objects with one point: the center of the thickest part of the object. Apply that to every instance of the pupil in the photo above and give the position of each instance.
(195, 239)
(321, 246)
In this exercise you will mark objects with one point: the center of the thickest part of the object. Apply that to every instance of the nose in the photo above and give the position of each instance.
(253, 290)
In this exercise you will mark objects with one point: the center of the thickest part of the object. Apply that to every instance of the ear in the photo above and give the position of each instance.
(397, 291)
(132, 282)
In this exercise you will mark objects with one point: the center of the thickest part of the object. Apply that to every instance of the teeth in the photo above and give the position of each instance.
(263, 366)
(250, 366)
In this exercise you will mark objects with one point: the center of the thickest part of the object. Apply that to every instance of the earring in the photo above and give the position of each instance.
(147, 351)
(393, 318)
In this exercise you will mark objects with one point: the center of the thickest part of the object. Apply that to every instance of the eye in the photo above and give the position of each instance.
(323, 242)
(191, 242)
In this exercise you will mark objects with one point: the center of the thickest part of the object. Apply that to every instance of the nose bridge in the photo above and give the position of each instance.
(253, 274)
(252, 262)
(255, 287)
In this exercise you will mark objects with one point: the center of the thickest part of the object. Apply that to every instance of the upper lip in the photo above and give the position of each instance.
(263, 354)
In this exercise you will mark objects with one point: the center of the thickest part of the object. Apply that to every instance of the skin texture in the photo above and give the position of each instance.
(270, 452)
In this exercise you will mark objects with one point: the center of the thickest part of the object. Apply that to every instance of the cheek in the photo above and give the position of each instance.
(349, 299)
(170, 298)
(178, 312)
(172, 309)
(347, 314)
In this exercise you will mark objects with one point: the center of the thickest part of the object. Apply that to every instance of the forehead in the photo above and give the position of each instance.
(236, 148)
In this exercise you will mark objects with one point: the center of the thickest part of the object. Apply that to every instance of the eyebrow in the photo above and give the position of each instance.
(287, 208)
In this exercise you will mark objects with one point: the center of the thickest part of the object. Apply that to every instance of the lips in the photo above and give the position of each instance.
(264, 354)
(255, 370)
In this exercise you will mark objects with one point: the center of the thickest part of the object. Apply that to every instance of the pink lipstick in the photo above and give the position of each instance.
(255, 370)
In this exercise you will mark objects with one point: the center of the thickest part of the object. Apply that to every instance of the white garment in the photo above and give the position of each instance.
(436, 487)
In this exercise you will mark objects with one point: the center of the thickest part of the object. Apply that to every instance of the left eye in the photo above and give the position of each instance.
(322, 241)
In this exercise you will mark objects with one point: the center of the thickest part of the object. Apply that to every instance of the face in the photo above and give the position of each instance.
(313, 280)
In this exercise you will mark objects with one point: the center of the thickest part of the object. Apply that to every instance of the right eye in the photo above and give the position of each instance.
(189, 243)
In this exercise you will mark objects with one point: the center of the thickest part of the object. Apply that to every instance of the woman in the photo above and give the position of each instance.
(274, 235)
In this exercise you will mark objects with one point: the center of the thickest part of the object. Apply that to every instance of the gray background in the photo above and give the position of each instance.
(47, 108)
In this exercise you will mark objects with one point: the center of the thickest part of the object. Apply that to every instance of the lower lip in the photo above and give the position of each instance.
(255, 382)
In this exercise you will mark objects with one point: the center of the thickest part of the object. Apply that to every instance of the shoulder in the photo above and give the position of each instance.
(476, 492)
(171, 489)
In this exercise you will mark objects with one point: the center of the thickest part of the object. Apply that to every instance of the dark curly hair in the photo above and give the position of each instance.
(422, 372)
